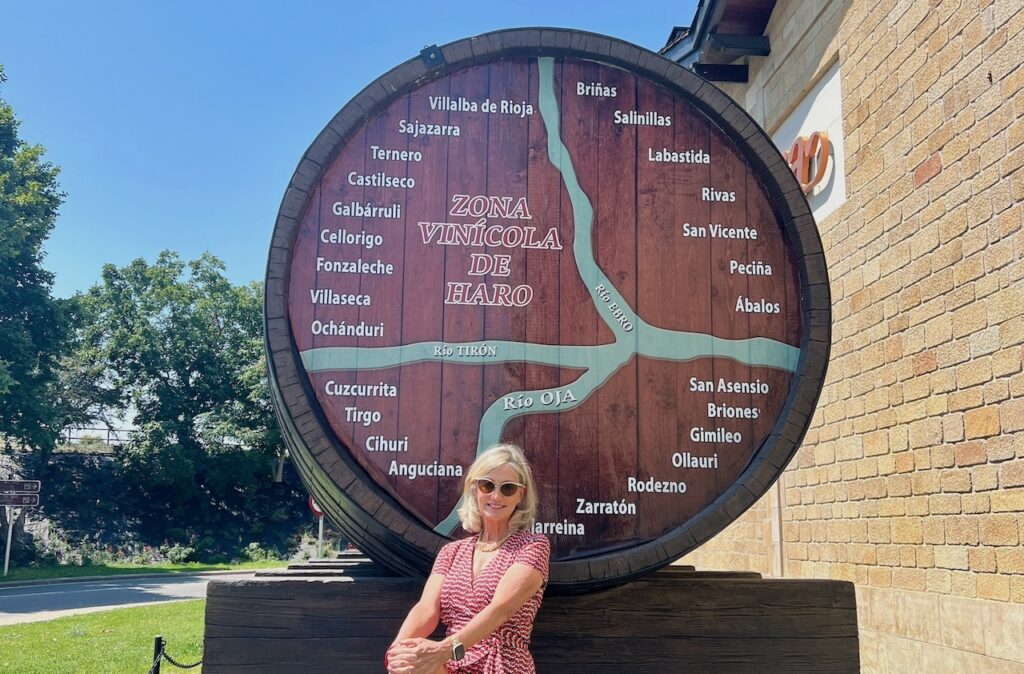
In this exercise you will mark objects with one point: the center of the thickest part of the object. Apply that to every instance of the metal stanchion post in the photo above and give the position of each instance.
(158, 647)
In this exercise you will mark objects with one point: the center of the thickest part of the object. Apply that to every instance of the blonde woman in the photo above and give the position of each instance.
(486, 588)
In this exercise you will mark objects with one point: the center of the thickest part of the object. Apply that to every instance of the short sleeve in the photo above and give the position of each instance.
(536, 553)
(445, 557)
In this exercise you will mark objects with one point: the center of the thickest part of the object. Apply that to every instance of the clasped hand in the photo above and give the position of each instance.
(417, 656)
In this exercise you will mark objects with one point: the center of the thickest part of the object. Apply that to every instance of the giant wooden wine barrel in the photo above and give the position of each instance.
(561, 240)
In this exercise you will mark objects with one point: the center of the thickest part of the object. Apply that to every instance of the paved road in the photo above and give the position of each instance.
(30, 603)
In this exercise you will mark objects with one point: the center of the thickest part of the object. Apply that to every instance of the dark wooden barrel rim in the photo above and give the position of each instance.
(373, 519)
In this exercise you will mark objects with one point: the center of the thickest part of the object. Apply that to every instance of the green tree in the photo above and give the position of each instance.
(32, 324)
(250, 419)
(182, 346)
(85, 395)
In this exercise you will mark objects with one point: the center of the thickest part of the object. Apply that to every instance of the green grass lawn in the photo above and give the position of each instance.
(116, 569)
(106, 642)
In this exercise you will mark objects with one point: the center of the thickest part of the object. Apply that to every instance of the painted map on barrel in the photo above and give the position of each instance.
(557, 253)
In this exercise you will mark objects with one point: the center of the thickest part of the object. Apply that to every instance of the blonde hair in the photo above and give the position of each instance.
(496, 457)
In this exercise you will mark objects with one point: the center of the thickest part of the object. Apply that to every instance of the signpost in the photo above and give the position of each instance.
(319, 515)
(16, 494)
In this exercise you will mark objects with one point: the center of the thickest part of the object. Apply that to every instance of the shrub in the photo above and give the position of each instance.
(178, 554)
(92, 554)
(90, 444)
(254, 552)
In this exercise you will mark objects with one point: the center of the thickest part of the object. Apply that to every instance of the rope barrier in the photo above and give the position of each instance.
(160, 654)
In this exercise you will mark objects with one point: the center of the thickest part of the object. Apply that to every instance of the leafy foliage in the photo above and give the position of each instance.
(182, 348)
(31, 320)
(84, 396)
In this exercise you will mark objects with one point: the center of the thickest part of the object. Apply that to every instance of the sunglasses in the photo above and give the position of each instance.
(506, 488)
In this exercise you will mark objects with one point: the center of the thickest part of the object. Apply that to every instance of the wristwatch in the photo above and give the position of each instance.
(458, 650)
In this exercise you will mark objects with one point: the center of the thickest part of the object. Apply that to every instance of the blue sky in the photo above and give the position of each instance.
(178, 125)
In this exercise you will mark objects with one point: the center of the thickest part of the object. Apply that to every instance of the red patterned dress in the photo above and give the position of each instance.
(506, 650)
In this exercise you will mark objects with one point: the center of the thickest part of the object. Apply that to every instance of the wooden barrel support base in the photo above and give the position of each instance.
(667, 622)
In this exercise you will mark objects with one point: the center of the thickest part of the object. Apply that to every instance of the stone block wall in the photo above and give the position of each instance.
(751, 543)
(910, 481)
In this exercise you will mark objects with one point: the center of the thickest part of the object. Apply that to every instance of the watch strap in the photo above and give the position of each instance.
(458, 650)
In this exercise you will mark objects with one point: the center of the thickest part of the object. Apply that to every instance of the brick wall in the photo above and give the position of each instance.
(910, 481)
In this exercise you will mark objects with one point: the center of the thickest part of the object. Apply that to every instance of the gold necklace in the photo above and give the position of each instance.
(491, 547)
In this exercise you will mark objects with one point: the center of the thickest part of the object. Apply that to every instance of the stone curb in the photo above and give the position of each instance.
(85, 579)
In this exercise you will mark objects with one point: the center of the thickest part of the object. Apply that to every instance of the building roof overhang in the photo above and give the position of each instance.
(722, 32)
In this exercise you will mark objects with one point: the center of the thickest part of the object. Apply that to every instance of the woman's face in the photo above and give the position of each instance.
(496, 508)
